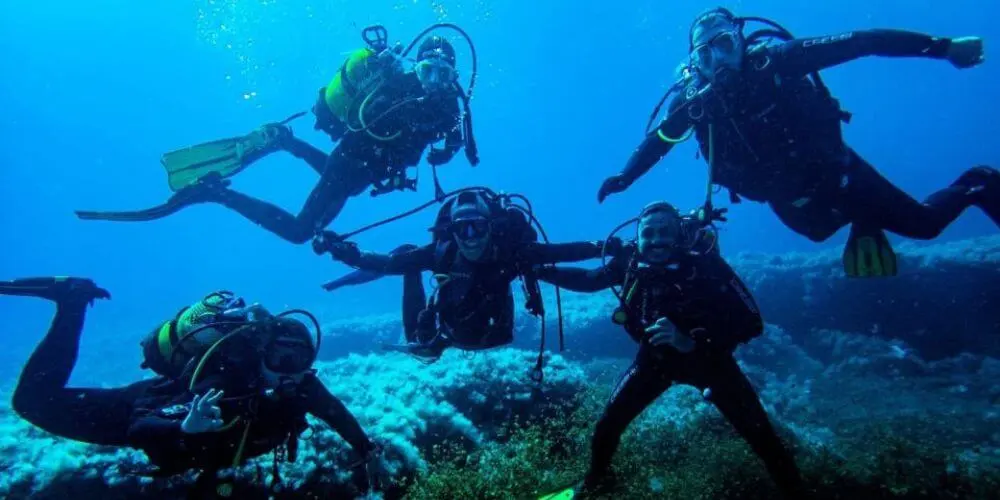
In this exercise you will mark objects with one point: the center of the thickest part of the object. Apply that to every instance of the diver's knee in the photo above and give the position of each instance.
(403, 249)
(25, 402)
(607, 428)
(819, 235)
(980, 175)
(299, 234)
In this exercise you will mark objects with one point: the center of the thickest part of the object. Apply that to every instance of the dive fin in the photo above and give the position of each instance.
(226, 157)
(354, 278)
(148, 214)
(567, 493)
(55, 288)
(868, 253)
(200, 191)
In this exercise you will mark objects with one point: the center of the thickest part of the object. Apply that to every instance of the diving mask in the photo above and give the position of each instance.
(435, 74)
(470, 229)
(288, 356)
(724, 50)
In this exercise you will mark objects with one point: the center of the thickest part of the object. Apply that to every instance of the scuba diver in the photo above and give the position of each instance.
(382, 117)
(771, 132)
(688, 311)
(245, 388)
(480, 246)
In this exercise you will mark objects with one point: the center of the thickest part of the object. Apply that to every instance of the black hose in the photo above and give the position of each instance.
(180, 342)
(545, 237)
(410, 212)
(315, 322)
(604, 251)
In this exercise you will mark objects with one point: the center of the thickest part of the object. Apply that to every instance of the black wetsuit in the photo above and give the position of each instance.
(777, 139)
(359, 160)
(147, 414)
(155, 426)
(474, 303)
(704, 298)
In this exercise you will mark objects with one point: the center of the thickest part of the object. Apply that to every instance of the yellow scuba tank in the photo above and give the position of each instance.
(169, 348)
(357, 78)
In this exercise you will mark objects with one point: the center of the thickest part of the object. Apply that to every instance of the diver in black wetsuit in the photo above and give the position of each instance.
(479, 248)
(430, 113)
(675, 275)
(251, 395)
(383, 117)
(772, 133)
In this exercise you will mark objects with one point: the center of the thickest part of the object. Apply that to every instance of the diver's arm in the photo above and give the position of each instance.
(161, 427)
(417, 259)
(326, 407)
(659, 142)
(803, 56)
(149, 429)
(551, 253)
(312, 155)
(453, 142)
(579, 279)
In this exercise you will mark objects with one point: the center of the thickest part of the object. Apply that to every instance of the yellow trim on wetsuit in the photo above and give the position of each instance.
(663, 137)
(163, 341)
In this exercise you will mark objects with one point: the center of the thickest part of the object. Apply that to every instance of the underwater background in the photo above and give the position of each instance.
(94, 92)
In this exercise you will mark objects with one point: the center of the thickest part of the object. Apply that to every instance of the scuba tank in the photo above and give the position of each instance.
(361, 76)
(168, 349)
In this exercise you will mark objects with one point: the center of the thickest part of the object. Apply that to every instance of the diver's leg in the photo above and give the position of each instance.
(738, 402)
(266, 215)
(339, 181)
(818, 223)
(874, 201)
(638, 388)
(343, 178)
(97, 416)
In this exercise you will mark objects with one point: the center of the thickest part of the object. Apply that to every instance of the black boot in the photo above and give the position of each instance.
(57, 289)
(984, 187)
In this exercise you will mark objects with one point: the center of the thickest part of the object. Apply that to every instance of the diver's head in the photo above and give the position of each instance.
(435, 65)
(717, 45)
(659, 233)
(470, 224)
(287, 354)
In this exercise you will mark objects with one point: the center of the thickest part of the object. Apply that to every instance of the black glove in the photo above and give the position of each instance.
(329, 242)
(966, 52)
(612, 185)
(276, 134)
(613, 246)
(439, 156)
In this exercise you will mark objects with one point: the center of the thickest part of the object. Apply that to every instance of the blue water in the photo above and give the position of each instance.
(93, 93)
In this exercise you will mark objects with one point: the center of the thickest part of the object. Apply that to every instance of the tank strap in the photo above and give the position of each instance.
(345, 82)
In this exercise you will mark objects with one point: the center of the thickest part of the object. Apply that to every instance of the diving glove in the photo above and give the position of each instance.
(966, 52)
(612, 185)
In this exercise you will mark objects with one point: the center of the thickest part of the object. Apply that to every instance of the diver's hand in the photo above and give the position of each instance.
(437, 156)
(205, 415)
(966, 52)
(663, 334)
(375, 468)
(612, 185)
(277, 134)
(343, 251)
(612, 246)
